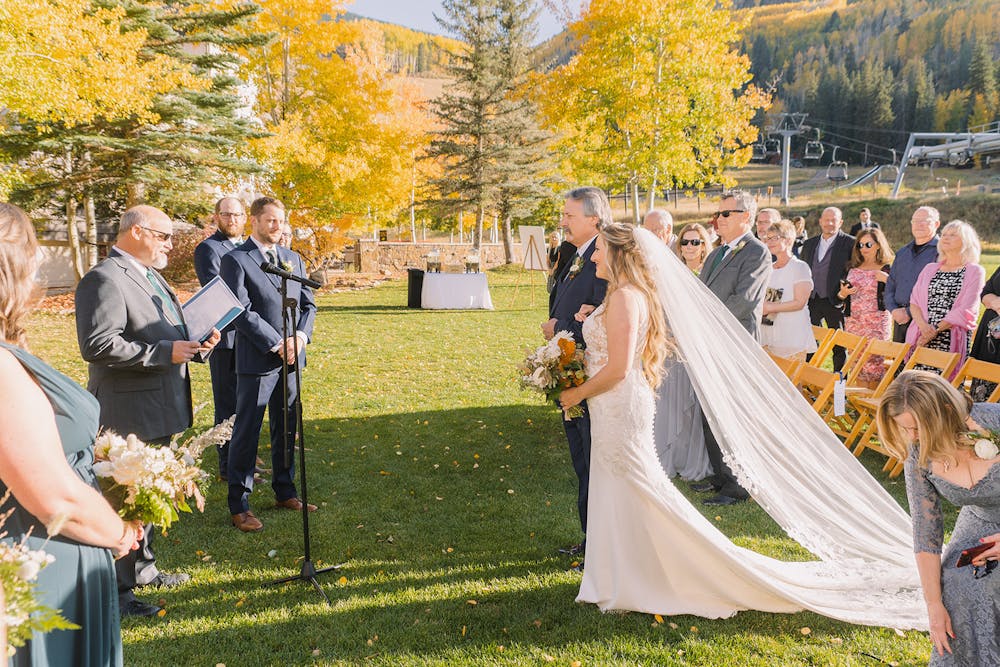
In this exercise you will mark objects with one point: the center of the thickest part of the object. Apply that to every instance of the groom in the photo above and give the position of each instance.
(737, 272)
(585, 210)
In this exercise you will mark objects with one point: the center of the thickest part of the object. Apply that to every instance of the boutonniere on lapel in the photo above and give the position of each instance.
(739, 246)
(285, 266)
(575, 267)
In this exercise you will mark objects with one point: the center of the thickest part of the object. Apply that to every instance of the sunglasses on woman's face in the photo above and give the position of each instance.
(694, 242)
(867, 244)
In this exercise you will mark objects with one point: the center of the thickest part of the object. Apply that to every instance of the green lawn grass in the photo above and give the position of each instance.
(444, 491)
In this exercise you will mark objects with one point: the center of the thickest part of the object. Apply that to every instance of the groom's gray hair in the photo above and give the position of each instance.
(747, 201)
(595, 203)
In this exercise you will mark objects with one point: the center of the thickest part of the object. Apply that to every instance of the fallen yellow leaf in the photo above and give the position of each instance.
(342, 581)
(805, 631)
(471, 602)
(463, 630)
(673, 626)
(694, 628)
(161, 613)
(659, 619)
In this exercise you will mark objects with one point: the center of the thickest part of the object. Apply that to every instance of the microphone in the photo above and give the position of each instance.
(267, 267)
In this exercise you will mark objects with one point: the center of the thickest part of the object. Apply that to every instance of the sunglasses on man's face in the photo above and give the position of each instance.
(694, 242)
(728, 212)
(867, 244)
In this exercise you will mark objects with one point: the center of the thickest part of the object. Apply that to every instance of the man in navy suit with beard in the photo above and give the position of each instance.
(230, 219)
(585, 210)
(260, 353)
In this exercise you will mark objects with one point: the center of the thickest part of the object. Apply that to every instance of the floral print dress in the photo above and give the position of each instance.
(866, 319)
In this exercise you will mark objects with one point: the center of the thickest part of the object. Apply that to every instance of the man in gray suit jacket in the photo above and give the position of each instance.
(737, 272)
(131, 331)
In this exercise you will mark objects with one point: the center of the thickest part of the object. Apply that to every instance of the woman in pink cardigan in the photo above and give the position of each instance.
(944, 302)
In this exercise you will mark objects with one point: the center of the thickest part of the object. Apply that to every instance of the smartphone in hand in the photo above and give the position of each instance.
(968, 555)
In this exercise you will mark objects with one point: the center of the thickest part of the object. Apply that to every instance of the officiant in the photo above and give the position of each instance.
(131, 331)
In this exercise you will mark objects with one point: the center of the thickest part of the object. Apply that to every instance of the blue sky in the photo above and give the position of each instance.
(419, 14)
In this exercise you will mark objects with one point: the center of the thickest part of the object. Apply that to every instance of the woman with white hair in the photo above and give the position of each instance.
(944, 302)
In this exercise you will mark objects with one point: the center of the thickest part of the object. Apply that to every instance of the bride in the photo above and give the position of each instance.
(648, 548)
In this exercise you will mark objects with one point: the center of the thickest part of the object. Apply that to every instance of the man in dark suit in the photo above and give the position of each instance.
(864, 222)
(584, 211)
(260, 353)
(737, 272)
(230, 219)
(131, 331)
(828, 256)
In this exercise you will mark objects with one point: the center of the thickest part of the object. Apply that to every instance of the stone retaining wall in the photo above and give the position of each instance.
(380, 256)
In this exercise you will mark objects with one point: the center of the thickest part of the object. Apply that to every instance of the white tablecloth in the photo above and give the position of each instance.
(455, 290)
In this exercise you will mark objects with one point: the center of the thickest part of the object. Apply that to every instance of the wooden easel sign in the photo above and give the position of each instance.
(535, 257)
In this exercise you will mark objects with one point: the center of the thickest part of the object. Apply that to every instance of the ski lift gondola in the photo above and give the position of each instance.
(772, 147)
(814, 147)
(836, 171)
(759, 152)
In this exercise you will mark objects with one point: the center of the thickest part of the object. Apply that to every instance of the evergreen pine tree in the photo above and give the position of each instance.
(982, 74)
(490, 145)
(196, 143)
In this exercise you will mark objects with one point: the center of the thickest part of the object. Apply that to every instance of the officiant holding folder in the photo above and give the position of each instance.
(132, 332)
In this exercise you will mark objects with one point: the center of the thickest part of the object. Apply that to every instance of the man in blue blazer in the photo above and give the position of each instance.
(584, 211)
(260, 353)
(230, 219)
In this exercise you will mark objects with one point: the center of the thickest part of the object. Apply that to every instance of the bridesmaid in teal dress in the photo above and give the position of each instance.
(46, 462)
(927, 422)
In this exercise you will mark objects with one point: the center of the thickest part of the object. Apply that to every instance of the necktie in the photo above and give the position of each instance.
(168, 303)
(718, 260)
(272, 257)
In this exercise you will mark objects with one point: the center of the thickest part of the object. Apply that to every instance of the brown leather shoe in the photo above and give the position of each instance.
(293, 504)
(247, 522)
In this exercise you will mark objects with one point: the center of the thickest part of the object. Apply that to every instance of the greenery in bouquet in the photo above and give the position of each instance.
(21, 612)
(554, 367)
(153, 484)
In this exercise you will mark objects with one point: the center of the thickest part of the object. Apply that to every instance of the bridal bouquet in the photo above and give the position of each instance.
(20, 610)
(553, 367)
(151, 484)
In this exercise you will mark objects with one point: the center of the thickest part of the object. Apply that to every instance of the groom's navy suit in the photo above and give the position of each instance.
(571, 291)
(222, 364)
(258, 369)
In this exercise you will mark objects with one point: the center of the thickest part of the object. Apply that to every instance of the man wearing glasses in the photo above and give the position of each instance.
(131, 331)
(230, 220)
(737, 272)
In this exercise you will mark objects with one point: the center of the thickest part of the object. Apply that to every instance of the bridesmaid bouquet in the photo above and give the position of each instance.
(152, 484)
(553, 367)
(20, 610)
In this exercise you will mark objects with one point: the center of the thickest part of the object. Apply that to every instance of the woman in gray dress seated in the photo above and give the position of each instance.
(46, 462)
(943, 438)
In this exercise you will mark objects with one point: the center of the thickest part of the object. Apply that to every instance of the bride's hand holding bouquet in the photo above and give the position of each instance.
(555, 368)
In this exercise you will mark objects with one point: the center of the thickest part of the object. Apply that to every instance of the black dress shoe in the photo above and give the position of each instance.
(705, 487)
(574, 549)
(720, 499)
(136, 607)
(164, 580)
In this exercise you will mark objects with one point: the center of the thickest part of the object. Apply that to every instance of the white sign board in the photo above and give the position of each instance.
(533, 247)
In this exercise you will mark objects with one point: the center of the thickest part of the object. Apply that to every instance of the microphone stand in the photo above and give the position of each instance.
(289, 309)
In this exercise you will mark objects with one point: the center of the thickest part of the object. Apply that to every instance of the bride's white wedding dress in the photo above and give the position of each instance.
(650, 550)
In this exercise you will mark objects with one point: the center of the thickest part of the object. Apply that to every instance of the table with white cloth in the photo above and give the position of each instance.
(455, 291)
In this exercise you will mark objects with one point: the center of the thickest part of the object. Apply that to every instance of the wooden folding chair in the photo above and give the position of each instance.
(854, 344)
(975, 369)
(787, 366)
(892, 354)
(816, 386)
(943, 362)
(822, 336)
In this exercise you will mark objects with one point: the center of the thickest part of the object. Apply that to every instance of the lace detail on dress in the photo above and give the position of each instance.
(624, 413)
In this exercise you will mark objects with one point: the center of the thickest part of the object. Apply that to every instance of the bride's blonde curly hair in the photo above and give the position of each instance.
(627, 266)
(18, 291)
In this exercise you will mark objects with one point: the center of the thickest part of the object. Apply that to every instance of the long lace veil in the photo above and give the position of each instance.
(780, 450)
